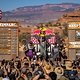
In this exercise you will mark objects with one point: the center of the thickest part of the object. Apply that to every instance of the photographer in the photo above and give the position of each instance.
(40, 74)
(37, 77)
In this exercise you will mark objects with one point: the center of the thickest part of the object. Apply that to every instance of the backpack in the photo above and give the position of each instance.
(72, 75)
(29, 53)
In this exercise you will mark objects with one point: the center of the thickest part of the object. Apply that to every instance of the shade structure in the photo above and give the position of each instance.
(36, 32)
(49, 32)
(41, 30)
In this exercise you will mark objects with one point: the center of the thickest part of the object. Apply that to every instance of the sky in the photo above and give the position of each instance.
(7, 5)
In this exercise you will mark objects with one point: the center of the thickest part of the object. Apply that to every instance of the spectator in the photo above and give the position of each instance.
(59, 71)
(23, 73)
(48, 68)
(20, 78)
(53, 75)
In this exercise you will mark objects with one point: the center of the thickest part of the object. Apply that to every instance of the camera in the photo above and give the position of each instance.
(40, 72)
(41, 75)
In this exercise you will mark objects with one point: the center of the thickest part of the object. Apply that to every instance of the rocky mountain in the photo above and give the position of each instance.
(39, 14)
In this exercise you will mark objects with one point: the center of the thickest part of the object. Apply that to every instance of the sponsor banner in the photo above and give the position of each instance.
(8, 24)
(74, 44)
(74, 25)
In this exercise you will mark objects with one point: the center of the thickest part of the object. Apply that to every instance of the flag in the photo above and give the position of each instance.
(0, 14)
(52, 40)
(34, 40)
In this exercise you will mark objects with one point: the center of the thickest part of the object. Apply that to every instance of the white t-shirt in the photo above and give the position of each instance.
(5, 78)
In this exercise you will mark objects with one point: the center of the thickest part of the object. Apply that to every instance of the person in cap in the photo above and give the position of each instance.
(48, 68)
(59, 71)
(53, 75)
(68, 65)
(1, 74)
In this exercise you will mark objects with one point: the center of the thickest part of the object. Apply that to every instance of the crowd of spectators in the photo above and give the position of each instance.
(35, 67)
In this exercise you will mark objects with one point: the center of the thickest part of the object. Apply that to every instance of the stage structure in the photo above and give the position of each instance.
(74, 40)
(43, 33)
(8, 40)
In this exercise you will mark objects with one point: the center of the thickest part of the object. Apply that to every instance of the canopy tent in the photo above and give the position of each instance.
(47, 32)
